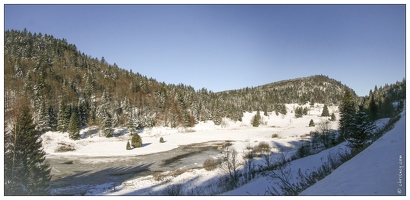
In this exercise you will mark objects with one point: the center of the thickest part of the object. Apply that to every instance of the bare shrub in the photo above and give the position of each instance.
(275, 135)
(211, 164)
(304, 150)
(249, 146)
(231, 166)
(269, 160)
(186, 130)
(177, 172)
(63, 147)
(249, 168)
(224, 123)
(226, 144)
(262, 148)
(173, 190)
(282, 174)
(158, 176)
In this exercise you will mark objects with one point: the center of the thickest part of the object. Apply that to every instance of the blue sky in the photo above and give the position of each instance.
(223, 47)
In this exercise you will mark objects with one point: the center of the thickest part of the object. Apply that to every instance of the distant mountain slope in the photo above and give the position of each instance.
(317, 88)
(54, 75)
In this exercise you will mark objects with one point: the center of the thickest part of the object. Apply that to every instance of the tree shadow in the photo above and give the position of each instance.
(90, 133)
(146, 144)
(292, 145)
(154, 190)
(120, 132)
(80, 183)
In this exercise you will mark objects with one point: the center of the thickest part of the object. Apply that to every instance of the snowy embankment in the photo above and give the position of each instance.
(378, 170)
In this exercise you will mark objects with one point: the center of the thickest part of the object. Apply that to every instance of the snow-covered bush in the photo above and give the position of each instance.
(136, 141)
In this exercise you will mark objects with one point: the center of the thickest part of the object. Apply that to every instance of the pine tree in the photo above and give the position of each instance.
(63, 118)
(361, 129)
(83, 112)
(25, 170)
(325, 112)
(43, 123)
(256, 119)
(299, 112)
(128, 145)
(136, 141)
(386, 109)
(305, 111)
(107, 125)
(217, 117)
(333, 117)
(74, 126)
(131, 121)
(373, 110)
(347, 113)
(52, 118)
(311, 123)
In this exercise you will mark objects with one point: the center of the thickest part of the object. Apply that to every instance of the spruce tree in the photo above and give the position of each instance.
(361, 129)
(52, 118)
(305, 111)
(130, 121)
(63, 118)
(373, 110)
(74, 126)
(256, 119)
(107, 125)
(136, 141)
(43, 123)
(83, 112)
(333, 117)
(347, 113)
(25, 169)
(325, 112)
(311, 123)
(128, 147)
(299, 112)
(104, 113)
(386, 109)
(217, 117)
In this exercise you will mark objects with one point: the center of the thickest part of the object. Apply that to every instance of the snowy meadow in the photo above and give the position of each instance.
(284, 134)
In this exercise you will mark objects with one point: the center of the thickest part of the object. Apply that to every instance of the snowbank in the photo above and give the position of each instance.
(378, 170)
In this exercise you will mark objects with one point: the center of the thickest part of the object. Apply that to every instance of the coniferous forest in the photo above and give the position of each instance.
(60, 81)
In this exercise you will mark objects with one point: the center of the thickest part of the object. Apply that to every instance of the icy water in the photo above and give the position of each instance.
(78, 173)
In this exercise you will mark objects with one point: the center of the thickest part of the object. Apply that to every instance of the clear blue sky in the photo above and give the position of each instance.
(222, 47)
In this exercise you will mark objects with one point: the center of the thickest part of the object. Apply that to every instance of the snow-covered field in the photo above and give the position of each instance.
(287, 127)
(290, 131)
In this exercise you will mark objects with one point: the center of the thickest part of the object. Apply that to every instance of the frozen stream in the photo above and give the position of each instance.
(77, 173)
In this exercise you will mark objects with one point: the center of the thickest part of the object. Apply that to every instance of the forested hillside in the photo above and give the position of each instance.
(60, 81)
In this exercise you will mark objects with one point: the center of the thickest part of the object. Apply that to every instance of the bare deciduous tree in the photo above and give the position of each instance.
(231, 165)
